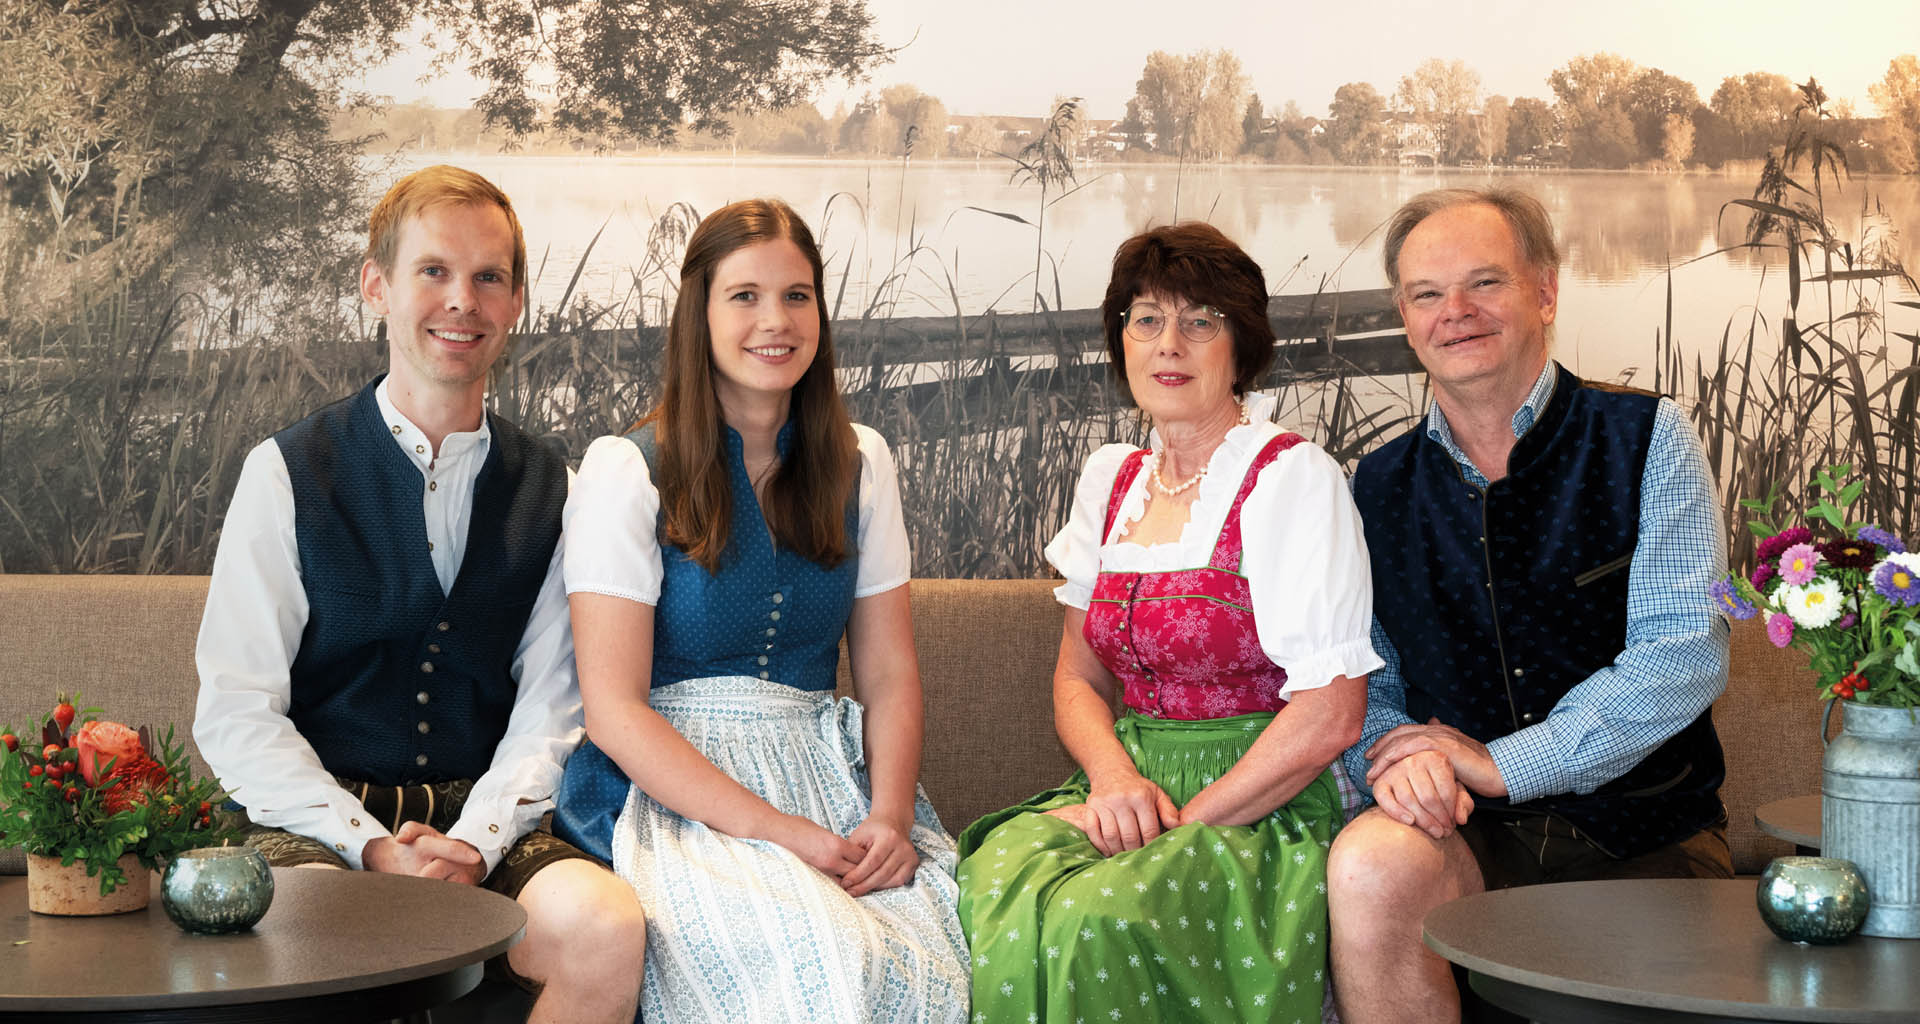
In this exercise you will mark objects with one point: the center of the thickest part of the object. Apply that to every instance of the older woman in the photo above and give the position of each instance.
(1217, 585)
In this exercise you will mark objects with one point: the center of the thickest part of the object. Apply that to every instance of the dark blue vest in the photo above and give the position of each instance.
(769, 613)
(380, 633)
(1499, 602)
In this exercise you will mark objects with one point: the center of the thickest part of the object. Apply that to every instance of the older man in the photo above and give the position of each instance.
(386, 669)
(1541, 550)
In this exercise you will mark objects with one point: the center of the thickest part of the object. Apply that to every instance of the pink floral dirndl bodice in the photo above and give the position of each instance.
(1183, 643)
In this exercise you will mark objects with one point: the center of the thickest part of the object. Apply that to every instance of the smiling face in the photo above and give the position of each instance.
(764, 320)
(449, 299)
(1476, 311)
(1177, 380)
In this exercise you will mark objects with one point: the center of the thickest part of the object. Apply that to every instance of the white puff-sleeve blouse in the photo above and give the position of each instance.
(612, 512)
(1304, 553)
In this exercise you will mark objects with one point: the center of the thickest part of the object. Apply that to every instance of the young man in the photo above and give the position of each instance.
(1541, 549)
(386, 669)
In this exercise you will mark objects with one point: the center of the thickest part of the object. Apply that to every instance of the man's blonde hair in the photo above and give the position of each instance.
(424, 189)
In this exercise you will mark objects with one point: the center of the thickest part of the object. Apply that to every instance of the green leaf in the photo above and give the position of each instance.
(1851, 493)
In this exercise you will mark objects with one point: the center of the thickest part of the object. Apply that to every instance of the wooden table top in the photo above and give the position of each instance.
(1678, 945)
(1795, 819)
(327, 932)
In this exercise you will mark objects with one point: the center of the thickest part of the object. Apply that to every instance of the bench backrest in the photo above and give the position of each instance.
(987, 649)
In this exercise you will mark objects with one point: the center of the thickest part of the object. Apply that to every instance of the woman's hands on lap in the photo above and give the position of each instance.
(1121, 816)
(889, 860)
(826, 852)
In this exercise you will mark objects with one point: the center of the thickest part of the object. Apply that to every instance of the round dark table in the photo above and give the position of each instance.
(1795, 819)
(335, 946)
(1665, 950)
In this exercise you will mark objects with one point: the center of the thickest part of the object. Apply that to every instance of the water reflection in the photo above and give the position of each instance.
(1620, 231)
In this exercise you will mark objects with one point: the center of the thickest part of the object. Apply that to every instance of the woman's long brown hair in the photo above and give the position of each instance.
(806, 499)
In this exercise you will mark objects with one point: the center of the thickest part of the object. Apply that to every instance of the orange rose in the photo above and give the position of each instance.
(101, 742)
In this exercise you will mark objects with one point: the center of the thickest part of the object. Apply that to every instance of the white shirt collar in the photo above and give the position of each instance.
(413, 440)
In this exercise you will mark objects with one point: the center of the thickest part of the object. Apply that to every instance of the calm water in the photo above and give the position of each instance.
(1307, 226)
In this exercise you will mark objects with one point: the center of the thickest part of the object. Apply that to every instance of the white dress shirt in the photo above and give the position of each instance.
(250, 633)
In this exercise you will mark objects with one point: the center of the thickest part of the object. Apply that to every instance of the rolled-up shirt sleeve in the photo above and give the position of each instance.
(1074, 552)
(1305, 559)
(612, 516)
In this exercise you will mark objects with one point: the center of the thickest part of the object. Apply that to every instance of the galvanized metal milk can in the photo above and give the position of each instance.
(1870, 811)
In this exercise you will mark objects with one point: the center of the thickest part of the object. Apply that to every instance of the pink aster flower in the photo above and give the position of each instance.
(1797, 564)
(1771, 548)
(1780, 629)
(1762, 575)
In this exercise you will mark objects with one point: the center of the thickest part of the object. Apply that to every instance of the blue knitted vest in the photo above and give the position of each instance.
(1500, 602)
(380, 632)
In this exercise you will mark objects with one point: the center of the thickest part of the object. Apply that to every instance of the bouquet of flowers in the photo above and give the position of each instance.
(100, 791)
(1846, 593)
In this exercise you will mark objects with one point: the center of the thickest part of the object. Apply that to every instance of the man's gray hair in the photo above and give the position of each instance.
(1524, 214)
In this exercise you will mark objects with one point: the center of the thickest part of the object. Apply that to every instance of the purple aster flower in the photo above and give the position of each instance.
(1875, 535)
(1728, 598)
(1897, 581)
(1771, 548)
(1780, 629)
(1762, 575)
(1797, 564)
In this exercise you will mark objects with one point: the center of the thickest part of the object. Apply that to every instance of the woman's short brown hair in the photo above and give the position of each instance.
(1195, 262)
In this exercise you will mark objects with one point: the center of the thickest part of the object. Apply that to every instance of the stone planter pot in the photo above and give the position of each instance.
(68, 891)
(1870, 812)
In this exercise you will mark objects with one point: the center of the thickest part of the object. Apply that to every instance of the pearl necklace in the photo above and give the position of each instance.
(1195, 479)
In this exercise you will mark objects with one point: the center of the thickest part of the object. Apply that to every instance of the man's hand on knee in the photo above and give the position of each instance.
(1470, 761)
(420, 850)
(1420, 790)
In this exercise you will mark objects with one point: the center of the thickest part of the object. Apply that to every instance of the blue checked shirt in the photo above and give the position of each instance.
(1675, 662)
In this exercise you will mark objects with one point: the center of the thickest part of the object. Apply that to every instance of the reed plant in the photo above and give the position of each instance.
(1828, 379)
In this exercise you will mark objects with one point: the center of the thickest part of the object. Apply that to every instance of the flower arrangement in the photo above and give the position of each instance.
(1848, 595)
(100, 791)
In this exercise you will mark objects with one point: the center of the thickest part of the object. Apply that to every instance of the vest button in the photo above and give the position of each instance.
(355, 822)
(421, 697)
(775, 616)
(493, 828)
(444, 626)
(763, 675)
(763, 659)
(426, 666)
(433, 648)
(433, 485)
(777, 598)
(424, 728)
(421, 760)
(1518, 672)
(1526, 718)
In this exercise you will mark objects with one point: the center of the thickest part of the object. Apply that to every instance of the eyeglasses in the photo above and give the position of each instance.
(1145, 320)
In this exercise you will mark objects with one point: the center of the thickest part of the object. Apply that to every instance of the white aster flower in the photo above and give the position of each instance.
(1812, 605)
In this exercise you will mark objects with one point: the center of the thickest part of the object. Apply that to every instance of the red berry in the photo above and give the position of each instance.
(36, 771)
(54, 772)
(63, 715)
(28, 786)
(51, 783)
(73, 794)
(205, 807)
(12, 741)
(51, 750)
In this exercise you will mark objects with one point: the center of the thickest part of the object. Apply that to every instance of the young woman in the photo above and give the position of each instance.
(788, 868)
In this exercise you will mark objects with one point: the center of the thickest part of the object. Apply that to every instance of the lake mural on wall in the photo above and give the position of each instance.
(170, 298)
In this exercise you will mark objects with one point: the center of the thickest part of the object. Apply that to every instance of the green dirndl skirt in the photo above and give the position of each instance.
(1223, 923)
